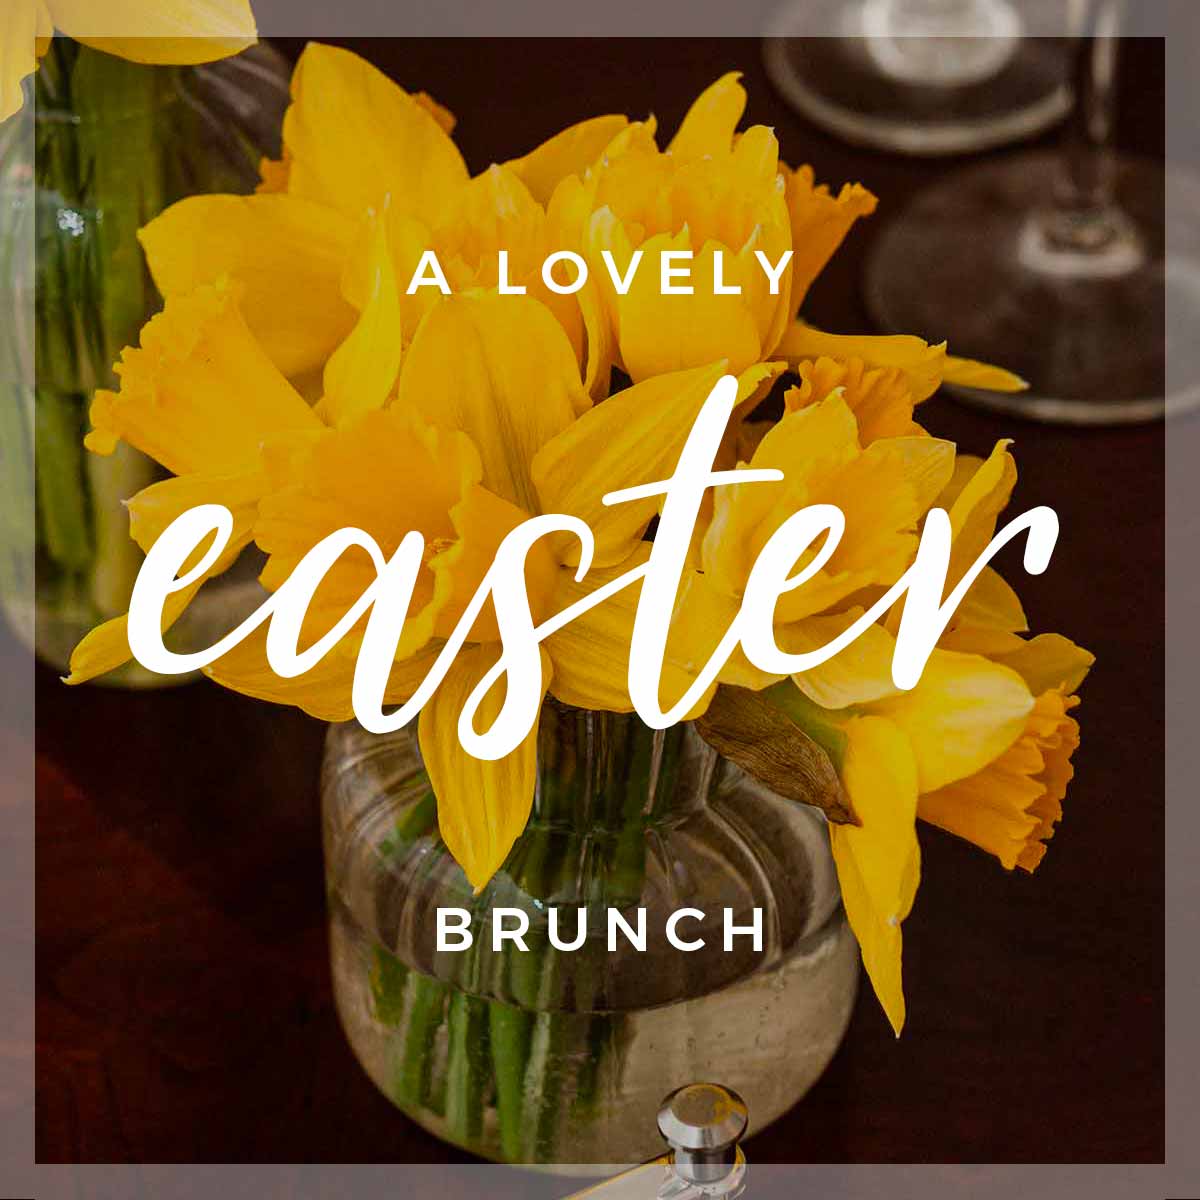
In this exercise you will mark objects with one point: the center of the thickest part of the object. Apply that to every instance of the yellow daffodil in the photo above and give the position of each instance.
(980, 747)
(145, 31)
(1011, 805)
(883, 490)
(199, 396)
(987, 731)
(922, 367)
(360, 151)
(962, 715)
(720, 202)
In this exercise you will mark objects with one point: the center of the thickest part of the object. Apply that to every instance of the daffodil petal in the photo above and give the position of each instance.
(106, 647)
(154, 508)
(965, 466)
(710, 123)
(1050, 661)
(591, 653)
(819, 224)
(286, 253)
(482, 805)
(439, 112)
(325, 690)
(632, 438)
(964, 712)
(361, 373)
(408, 239)
(976, 509)
(569, 152)
(568, 217)
(991, 604)
(496, 213)
(166, 31)
(860, 674)
(500, 369)
(358, 141)
(703, 615)
(746, 514)
(660, 333)
(927, 464)
(482, 521)
(878, 861)
(967, 372)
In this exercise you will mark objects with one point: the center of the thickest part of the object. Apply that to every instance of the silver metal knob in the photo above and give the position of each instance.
(702, 1124)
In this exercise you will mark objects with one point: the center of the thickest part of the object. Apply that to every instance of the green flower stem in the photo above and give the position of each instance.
(389, 981)
(468, 1060)
(123, 110)
(63, 505)
(467, 1070)
(425, 1004)
(511, 1030)
(118, 558)
(546, 1083)
(123, 155)
(406, 997)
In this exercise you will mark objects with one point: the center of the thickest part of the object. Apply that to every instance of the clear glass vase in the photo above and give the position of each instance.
(113, 143)
(562, 1057)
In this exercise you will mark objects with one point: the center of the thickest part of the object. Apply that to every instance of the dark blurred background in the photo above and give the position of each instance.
(184, 1011)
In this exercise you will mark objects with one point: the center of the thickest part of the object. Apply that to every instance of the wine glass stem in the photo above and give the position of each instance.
(1085, 216)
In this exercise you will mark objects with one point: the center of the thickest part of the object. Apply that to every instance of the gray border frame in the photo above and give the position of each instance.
(1177, 1179)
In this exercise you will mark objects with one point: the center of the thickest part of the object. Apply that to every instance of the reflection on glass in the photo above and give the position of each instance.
(923, 77)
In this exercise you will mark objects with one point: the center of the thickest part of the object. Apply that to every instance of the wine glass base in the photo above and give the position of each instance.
(1006, 88)
(964, 264)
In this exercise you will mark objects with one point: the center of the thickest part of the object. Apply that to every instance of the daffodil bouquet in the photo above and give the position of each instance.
(379, 340)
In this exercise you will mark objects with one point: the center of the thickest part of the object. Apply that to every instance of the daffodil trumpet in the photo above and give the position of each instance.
(807, 540)
(565, 272)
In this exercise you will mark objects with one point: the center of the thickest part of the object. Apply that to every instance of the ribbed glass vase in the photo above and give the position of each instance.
(562, 1057)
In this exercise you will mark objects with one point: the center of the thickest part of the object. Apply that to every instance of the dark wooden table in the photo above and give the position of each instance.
(184, 1010)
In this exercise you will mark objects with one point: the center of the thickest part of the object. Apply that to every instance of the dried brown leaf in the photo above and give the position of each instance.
(762, 739)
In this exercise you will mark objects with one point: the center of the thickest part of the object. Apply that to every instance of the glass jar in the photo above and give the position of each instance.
(562, 1057)
(113, 143)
